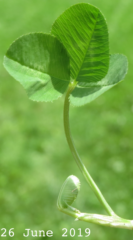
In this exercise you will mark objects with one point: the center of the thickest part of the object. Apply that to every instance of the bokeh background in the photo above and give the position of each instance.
(34, 155)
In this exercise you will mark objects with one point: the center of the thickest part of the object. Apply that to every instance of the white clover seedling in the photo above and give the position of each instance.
(73, 59)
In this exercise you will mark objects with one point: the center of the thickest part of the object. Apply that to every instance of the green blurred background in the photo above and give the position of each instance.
(34, 155)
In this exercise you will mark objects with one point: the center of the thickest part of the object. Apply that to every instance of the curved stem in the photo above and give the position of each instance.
(76, 156)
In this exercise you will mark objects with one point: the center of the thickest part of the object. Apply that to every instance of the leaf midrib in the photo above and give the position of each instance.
(87, 48)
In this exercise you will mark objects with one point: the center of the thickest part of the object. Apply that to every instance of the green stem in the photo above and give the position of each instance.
(76, 156)
(109, 221)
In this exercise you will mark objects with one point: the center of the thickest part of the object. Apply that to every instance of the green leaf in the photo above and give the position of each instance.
(41, 64)
(68, 192)
(82, 29)
(117, 70)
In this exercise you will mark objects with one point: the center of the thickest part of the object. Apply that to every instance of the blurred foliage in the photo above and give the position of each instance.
(34, 155)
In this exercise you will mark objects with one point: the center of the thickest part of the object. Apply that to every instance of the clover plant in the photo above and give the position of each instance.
(73, 59)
